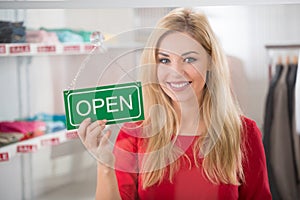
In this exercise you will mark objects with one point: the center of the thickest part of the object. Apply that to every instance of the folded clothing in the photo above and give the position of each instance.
(41, 36)
(53, 123)
(26, 128)
(9, 138)
(12, 32)
(66, 35)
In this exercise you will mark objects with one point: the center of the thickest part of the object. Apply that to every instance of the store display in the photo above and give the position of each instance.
(26, 128)
(41, 36)
(54, 122)
(67, 35)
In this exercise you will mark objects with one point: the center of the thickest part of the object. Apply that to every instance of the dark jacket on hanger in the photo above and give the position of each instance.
(281, 151)
(291, 81)
(269, 113)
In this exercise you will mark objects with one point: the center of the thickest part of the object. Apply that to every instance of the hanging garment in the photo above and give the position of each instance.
(281, 152)
(291, 81)
(269, 113)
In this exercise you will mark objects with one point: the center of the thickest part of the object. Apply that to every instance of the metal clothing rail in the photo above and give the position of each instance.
(283, 46)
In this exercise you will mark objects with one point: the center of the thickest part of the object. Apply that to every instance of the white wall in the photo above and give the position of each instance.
(244, 31)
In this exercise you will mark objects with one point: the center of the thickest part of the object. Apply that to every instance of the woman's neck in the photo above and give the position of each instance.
(189, 117)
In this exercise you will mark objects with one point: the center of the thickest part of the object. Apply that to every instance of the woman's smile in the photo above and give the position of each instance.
(178, 86)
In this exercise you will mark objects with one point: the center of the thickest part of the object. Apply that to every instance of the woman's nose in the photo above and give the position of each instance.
(178, 67)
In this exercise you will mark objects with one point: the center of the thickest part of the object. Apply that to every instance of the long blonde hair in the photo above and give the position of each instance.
(221, 144)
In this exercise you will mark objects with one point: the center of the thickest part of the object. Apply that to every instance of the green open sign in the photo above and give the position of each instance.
(115, 103)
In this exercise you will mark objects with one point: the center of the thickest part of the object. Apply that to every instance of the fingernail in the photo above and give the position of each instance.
(102, 122)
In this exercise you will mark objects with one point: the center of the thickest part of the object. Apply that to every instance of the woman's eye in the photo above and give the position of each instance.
(190, 60)
(164, 60)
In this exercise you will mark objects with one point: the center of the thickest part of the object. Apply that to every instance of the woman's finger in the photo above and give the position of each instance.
(83, 127)
(104, 139)
(104, 154)
(96, 124)
(92, 138)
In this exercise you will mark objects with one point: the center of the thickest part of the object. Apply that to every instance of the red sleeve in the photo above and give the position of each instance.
(256, 185)
(126, 168)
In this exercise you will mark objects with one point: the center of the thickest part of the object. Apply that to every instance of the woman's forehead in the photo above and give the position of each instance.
(179, 43)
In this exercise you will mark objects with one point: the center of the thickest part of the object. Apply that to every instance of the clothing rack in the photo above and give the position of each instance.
(282, 53)
(282, 121)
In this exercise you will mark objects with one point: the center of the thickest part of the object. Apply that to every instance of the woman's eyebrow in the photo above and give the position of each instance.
(189, 52)
(184, 54)
(163, 54)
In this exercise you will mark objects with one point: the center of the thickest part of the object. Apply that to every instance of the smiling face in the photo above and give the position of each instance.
(182, 65)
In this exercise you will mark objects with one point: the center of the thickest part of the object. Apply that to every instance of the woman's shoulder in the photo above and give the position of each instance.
(252, 138)
(250, 128)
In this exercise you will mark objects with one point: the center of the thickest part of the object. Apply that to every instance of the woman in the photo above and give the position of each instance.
(194, 142)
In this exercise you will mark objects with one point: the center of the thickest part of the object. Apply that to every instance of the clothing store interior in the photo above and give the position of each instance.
(47, 48)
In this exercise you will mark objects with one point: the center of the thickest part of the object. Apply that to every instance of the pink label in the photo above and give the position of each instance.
(26, 148)
(49, 142)
(4, 157)
(2, 49)
(49, 48)
(72, 135)
(19, 49)
(88, 47)
(72, 48)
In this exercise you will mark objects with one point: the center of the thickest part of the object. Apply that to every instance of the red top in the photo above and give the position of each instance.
(190, 183)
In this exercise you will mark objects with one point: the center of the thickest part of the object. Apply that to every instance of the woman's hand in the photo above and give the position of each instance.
(97, 142)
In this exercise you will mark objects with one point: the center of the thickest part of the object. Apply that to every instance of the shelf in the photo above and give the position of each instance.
(33, 49)
(36, 49)
(34, 144)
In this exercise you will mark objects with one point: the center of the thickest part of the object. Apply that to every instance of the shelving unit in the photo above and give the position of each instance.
(37, 49)
(32, 49)
(7, 153)
(54, 165)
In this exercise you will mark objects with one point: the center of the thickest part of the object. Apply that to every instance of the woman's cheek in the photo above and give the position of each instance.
(162, 73)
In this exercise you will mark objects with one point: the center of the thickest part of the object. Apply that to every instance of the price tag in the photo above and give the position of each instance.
(26, 148)
(46, 49)
(4, 157)
(50, 141)
(19, 49)
(72, 135)
(88, 47)
(2, 49)
(72, 48)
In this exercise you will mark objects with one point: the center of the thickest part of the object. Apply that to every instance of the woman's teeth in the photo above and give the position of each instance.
(178, 85)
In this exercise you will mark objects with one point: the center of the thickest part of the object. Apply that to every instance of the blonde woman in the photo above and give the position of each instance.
(194, 142)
